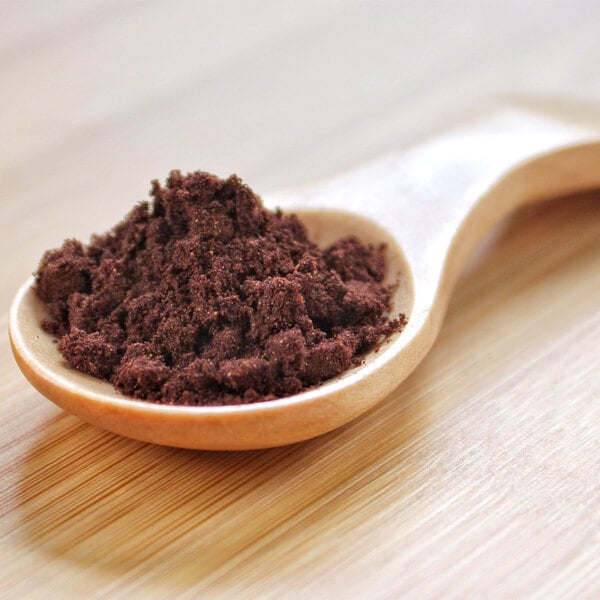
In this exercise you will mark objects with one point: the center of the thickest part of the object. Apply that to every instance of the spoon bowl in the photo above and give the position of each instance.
(429, 206)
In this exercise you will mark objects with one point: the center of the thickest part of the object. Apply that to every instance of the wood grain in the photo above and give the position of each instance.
(478, 477)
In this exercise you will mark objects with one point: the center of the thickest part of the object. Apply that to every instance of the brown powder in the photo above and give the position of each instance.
(204, 297)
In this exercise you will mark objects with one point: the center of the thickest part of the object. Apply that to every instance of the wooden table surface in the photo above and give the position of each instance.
(479, 476)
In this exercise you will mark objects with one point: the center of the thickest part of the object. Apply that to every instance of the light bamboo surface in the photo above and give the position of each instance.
(478, 477)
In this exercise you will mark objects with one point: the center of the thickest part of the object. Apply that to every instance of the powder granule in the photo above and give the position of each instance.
(203, 297)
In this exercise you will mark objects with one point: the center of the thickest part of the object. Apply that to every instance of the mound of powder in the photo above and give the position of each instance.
(202, 296)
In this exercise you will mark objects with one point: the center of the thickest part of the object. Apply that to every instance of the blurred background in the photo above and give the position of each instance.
(479, 476)
(99, 97)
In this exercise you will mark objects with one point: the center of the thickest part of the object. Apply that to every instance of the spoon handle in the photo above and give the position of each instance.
(441, 197)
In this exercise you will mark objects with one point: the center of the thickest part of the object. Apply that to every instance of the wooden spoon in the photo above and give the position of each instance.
(431, 205)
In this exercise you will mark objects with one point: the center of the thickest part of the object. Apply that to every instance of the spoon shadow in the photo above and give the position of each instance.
(111, 504)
